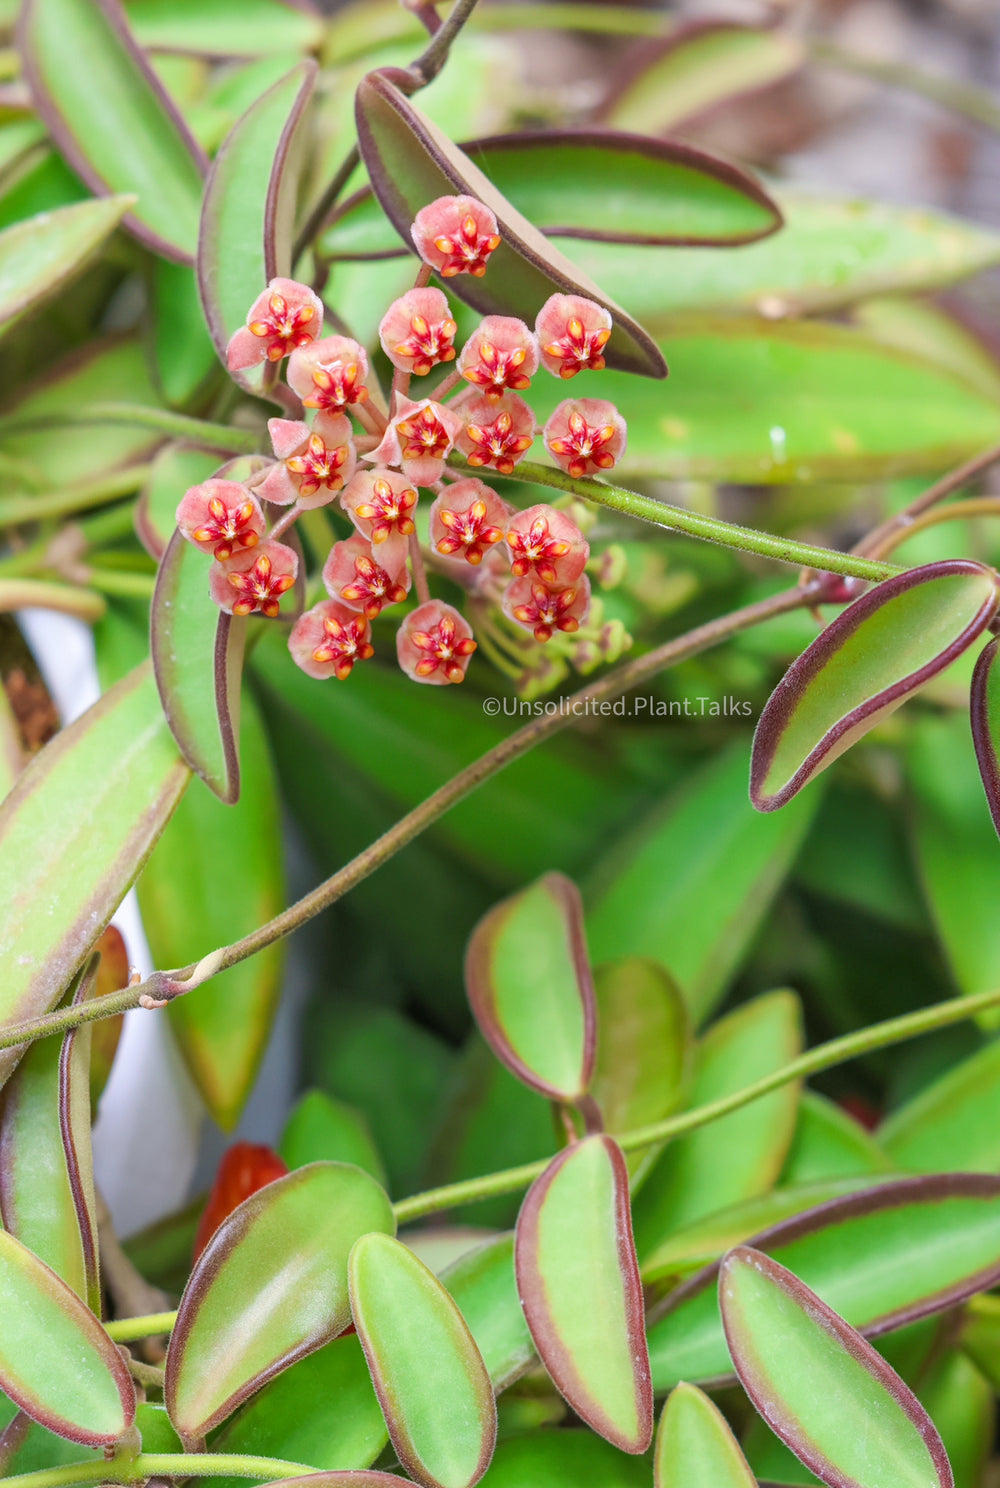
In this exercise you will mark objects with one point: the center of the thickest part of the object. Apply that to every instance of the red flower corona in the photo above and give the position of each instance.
(417, 331)
(419, 439)
(380, 503)
(496, 434)
(285, 316)
(313, 463)
(434, 644)
(330, 374)
(572, 333)
(585, 436)
(501, 355)
(544, 543)
(545, 610)
(353, 576)
(220, 517)
(328, 639)
(467, 520)
(456, 235)
(253, 582)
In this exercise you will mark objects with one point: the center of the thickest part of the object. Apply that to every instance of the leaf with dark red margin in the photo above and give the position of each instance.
(112, 118)
(270, 1287)
(45, 253)
(197, 650)
(75, 1126)
(411, 162)
(984, 707)
(247, 221)
(56, 1361)
(867, 661)
(531, 990)
(429, 1376)
(594, 184)
(695, 1447)
(75, 831)
(696, 66)
(820, 1386)
(896, 1252)
(578, 1279)
(42, 1201)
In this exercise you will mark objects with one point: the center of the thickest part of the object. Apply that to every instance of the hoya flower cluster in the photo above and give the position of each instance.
(528, 566)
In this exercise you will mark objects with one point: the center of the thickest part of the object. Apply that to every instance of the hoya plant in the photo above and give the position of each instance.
(335, 411)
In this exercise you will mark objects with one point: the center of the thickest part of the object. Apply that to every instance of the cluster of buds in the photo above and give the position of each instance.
(527, 568)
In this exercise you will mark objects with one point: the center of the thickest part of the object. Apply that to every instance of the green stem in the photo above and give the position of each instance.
(122, 583)
(30, 594)
(161, 1465)
(695, 524)
(124, 482)
(126, 1330)
(435, 54)
(824, 1056)
(180, 425)
(576, 707)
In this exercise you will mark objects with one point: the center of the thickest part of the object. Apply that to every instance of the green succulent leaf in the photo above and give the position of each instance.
(320, 1128)
(578, 1280)
(75, 830)
(591, 184)
(697, 66)
(321, 1411)
(985, 703)
(643, 1048)
(225, 28)
(883, 1257)
(112, 118)
(44, 1129)
(56, 1361)
(866, 662)
(270, 1287)
(187, 905)
(531, 990)
(428, 1373)
(695, 1447)
(248, 218)
(484, 1286)
(564, 1459)
(41, 256)
(820, 1386)
(349, 1479)
(183, 350)
(740, 1155)
(953, 1123)
(698, 923)
(198, 661)
(411, 162)
(829, 1144)
(774, 403)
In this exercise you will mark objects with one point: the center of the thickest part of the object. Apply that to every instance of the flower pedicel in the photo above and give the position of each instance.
(523, 570)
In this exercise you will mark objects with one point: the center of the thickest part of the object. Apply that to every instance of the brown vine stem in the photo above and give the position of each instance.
(577, 707)
(874, 543)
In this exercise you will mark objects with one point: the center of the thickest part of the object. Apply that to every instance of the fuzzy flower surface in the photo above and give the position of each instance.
(354, 576)
(285, 316)
(221, 517)
(500, 356)
(329, 639)
(253, 582)
(417, 331)
(585, 436)
(456, 235)
(572, 333)
(434, 644)
(496, 433)
(329, 374)
(381, 503)
(544, 609)
(312, 464)
(419, 440)
(547, 545)
(467, 520)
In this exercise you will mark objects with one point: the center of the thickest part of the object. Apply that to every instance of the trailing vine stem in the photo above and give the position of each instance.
(164, 986)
